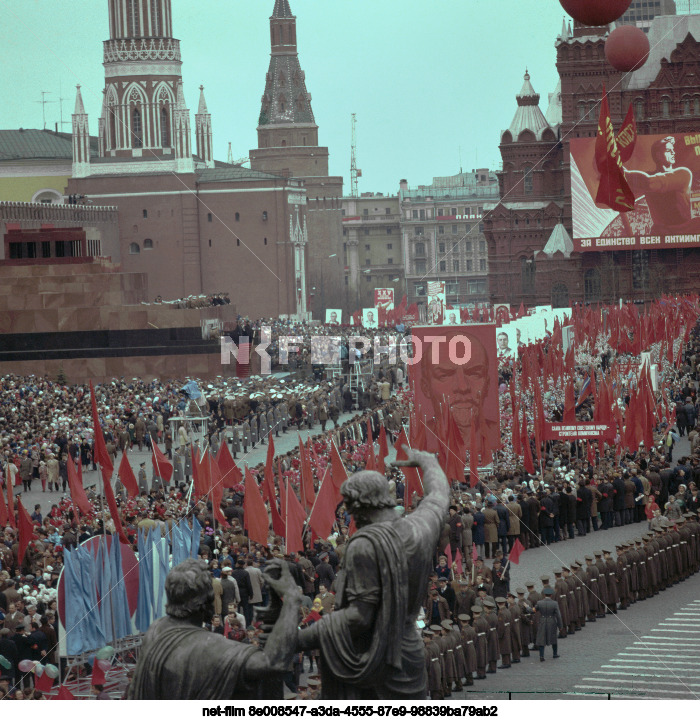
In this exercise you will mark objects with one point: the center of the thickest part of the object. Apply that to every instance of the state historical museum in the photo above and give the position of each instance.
(534, 231)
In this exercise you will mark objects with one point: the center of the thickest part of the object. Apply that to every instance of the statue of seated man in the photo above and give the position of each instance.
(370, 645)
(179, 659)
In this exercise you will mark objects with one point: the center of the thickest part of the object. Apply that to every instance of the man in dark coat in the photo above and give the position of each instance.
(492, 636)
(534, 506)
(550, 623)
(546, 518)
(570, 497)
(584, 499)
(524, 521)
(455, 523)
(481, 627)
(503, 525)
(503, 628)
(606, 504)
(619, 500)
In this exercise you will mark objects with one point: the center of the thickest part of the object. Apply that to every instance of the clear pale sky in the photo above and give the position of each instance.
(425, 78)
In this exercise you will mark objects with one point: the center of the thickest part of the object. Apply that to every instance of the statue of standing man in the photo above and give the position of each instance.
(370, 645)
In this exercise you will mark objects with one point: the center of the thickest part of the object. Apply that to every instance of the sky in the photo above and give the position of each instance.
(433, 83)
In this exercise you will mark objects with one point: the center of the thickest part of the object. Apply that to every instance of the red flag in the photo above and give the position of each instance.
(295, 518)
(527, 452)
(613, 190)
(43, 683)
(514, 555)
(515, 431)
(163, 467)
(458, 562)
(9, 485)
(64, 694)
(322, 515)
(627, 137)
(413, 482)
(254, 511)
(26, 530)
(278, 525)
(217, 490)
(230, 473)
(100, 449)
(77, 492)
(127, 477)
(268, 484)
(383, 450)
(569, 403)
(198, 491)
(307, 478)
(370, 465)
(112, 505)
(4, 515)
(338, 473)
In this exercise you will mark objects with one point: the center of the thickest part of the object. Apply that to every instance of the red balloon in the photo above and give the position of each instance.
(627, 48)
(595, 12)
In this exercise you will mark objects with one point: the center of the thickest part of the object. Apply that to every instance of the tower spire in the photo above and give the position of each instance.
(202, 121)
(81, 138)
(282, 9)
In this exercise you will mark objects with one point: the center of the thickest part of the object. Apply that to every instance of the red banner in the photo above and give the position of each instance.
(576, 431)
(383, 297)
(458, 367)
(663, 172)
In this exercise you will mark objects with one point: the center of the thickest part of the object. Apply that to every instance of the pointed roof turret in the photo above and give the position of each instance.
(202, 102)
(79, 107)
(528, 116)
(285, 99)
(565, 32)
(559, 241)
(282, 9)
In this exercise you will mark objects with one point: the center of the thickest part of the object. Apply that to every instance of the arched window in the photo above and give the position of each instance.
(419, 250)
(696, 105)
(560, 295)
(687, 105)
(527, 180)
(665, 107)
(136, 129)
(164, 127)
(148, 244)
(639, 109)
(527, 274)
(591, 285)
(134, 249)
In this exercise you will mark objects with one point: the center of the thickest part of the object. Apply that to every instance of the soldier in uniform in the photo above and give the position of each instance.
(532, 598)
(492, 638)
(550, 623)
(642, 570)
(446, 661)
(262, 426)
(515, 645)
(245, 435)
(481, 628)
(468, 636)
(571, 608)
(284, 413)
(611, 576)
(622, 585)
(581, 596)
(561, 596)
(143, 480)
(432, 665)
(253, 422)
(235, 440)
(458, 655)
(504, 620)
(526, 623)
(594, 600)
(602, 580)
(271, 423)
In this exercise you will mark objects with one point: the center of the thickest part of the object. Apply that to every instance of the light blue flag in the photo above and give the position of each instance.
(94, 633)
(120, 603)
(104, 588)
(74, 606)
(145, 603)
(178, 541)
(196, 534)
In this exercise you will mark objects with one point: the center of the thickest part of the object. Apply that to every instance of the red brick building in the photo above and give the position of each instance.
(190, 223)
(529, 231)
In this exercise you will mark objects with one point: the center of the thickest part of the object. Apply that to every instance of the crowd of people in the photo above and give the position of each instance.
(573, 493)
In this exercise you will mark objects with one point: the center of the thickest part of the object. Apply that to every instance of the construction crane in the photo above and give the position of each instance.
(355, 172)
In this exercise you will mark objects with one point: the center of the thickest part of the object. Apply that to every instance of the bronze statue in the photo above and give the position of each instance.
(370, 645)
(180, 659)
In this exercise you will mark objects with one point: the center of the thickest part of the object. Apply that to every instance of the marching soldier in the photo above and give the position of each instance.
(611, 575)
(235, 440)
(594, 600)
(432, 665)
(602, 580)
(622, 585)
(526, 622)
(532, 598)
(561, 596)
(581, 602)
(515, 644)
(571, 608)
(468, 635)
(271, 422)
(503, 627)
(253, 421)
(460, 663)
(262, 426)
(481, 628)
(492, 638)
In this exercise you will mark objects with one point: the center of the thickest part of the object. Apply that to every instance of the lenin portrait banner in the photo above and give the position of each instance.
(458, 367)
(663, 172)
